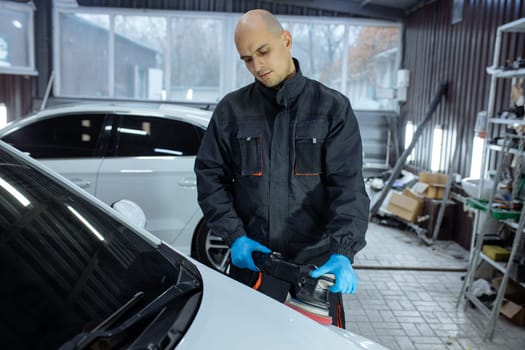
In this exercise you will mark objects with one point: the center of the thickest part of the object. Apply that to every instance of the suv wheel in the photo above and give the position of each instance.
(210, 249)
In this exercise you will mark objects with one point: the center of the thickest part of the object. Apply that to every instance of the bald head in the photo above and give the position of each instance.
(264, 47)
(258, 20)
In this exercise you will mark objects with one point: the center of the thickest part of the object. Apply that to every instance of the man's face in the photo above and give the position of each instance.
(267, 56)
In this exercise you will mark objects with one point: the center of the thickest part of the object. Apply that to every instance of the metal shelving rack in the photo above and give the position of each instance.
(505, 217)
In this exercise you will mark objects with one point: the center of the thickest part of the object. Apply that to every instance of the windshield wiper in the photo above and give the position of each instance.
(80, 341)
(116, 315)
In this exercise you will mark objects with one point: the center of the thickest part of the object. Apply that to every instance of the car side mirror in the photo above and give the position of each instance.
(131, 211)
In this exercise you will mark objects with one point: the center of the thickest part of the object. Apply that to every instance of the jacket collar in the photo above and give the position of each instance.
(289, 89)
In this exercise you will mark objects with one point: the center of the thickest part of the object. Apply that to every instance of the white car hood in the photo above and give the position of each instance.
(232, 316)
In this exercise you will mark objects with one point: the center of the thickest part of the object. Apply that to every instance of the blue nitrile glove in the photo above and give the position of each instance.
(345, 276)
(241, 252)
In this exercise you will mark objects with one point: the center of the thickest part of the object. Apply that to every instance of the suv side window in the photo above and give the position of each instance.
(152, 136)
(67, 136)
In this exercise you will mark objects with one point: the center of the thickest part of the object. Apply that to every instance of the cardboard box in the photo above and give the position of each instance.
(514, 291)
(495, 252)
(420, 188)
(431, 185)
(513, 304)
(407, 205)
(513, 311)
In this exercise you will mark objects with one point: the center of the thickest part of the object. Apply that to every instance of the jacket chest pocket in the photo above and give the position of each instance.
(250, 143)
(309, 142)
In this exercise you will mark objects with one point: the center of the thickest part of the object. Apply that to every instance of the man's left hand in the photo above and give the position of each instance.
(345, 276)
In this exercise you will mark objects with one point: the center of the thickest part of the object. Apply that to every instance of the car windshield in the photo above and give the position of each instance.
(67, 265)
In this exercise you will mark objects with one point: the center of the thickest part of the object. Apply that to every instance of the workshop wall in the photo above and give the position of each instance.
(15, 93)
(436, 50)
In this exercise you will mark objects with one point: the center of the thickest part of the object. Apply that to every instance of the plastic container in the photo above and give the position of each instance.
(471, 186)
(496, 213)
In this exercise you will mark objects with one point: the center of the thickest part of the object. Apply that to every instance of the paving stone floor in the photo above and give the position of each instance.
(407, 293)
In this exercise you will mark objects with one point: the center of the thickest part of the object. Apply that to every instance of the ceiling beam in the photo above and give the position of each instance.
(354, 8)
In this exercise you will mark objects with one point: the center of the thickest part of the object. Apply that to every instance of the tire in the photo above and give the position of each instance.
(210, 249)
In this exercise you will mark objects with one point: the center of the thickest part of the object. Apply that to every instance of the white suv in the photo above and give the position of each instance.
(143, 153)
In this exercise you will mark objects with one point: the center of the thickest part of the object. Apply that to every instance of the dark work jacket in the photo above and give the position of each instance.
(284, 167)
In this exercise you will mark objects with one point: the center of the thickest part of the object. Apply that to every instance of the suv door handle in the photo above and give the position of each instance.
(188, 182)
(81, 183)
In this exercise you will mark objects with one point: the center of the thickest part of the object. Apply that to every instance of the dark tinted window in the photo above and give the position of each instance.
(65, 265)
(71, 136)
(150, 136)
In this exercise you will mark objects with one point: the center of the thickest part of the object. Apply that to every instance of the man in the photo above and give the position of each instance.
(280, 166)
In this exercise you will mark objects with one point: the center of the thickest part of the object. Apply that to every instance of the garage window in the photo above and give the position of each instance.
(191, 57)
(195, 64)
(359, 59)
(139, 60)
(146, 57)
(84, 42)
(17, 55)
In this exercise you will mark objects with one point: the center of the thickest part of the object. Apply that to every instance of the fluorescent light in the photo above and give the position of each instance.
(85, 222)
(189, 94)
(15, 193)
(17, 24)
(166, 157)
(477, 156)
(168, 151)
(437, 142)
(136, 171)
(410, 129)
(3, 115)
(132, 131)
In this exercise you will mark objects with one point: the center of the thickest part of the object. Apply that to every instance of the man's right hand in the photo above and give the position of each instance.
(241, 252)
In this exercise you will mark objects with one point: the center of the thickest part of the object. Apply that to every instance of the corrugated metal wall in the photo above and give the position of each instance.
(437, 50)
(15, 93)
